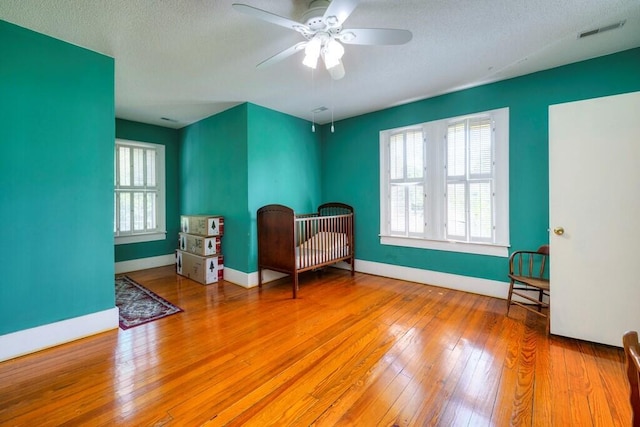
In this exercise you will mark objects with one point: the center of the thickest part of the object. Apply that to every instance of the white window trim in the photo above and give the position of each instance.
(434, 131)
(161, 234)
(447, 245)
(140, 238)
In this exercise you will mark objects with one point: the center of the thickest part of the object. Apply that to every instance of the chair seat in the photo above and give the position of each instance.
(532, 281)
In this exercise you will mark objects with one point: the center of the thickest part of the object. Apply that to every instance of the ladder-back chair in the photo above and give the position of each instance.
(529, 279)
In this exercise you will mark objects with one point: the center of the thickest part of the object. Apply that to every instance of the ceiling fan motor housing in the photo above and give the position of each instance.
(314, 17)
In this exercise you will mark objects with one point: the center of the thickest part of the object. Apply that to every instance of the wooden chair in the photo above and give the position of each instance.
(632, 355)
(528, 273)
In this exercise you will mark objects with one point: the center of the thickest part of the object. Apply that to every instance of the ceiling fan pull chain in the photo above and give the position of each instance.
(313, 95)
(332, 128)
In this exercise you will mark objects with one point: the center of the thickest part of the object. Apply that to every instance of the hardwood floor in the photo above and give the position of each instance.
(361, 350)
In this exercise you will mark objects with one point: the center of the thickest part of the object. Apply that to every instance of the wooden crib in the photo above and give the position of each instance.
(290, 243)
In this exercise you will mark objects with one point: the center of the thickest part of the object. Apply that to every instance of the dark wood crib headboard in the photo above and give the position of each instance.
(276, 238)
(334, 208)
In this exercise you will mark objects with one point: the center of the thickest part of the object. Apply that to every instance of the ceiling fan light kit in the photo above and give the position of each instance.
(321, 26)
(332, 53)
(312, 52)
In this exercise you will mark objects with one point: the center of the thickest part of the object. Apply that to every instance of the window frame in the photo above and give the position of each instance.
(435, 180)
(159, 233)
(407, 182)
(467, 179)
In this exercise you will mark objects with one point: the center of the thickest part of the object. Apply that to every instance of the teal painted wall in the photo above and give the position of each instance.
(213, 177)
(350, 156)
(284, 167)
(170, 138)
(241, 159)
(56, 175)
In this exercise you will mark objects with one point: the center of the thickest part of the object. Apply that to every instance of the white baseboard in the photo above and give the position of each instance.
(144, 263)
(492, 288)
(35, 339)
(250, 280)
(475, 285)
(246, 280)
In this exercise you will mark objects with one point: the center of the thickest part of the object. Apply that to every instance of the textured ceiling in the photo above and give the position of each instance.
(189, 59)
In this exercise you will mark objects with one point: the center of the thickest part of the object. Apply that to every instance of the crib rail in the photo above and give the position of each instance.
(322, 240)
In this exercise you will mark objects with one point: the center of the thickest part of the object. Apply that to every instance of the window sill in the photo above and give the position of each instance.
(447, 245)
(140, 238)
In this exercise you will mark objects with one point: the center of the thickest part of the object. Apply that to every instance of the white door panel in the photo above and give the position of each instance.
(594, 194)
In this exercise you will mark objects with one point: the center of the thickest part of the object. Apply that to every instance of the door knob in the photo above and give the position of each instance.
(559, 231)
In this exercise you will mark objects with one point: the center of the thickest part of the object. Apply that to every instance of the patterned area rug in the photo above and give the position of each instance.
(138, 305)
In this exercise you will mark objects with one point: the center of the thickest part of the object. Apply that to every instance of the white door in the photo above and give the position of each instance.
(594, 196)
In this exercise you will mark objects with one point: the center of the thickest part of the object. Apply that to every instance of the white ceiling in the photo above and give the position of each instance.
(188, 59)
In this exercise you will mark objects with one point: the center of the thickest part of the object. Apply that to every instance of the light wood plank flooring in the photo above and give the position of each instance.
(361, 351)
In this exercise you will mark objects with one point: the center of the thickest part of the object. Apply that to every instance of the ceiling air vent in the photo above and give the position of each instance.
(601, 29)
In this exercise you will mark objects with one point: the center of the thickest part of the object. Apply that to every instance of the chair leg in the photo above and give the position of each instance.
(540, 296)
(548, 323)
(510, 296)
(549, 316)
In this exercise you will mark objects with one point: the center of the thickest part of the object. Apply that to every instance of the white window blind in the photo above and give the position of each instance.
(139, 192)
(469, 193)
(407, 182)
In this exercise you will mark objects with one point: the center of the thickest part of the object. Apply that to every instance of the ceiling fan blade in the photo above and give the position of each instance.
(373, 36)
(282, 55)
(270, 17)
(341, 9)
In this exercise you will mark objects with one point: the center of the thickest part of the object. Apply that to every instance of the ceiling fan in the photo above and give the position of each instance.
(321, 27)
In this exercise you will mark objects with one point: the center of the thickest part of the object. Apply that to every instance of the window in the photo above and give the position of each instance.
(444, 184)
(139, 196)
(406, 154)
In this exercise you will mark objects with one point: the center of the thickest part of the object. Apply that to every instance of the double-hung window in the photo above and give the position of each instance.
(406, 183)
(444, 184)
(470, 179)
(139, 196)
